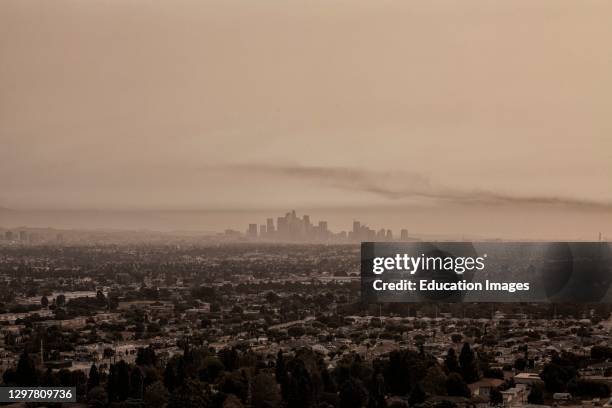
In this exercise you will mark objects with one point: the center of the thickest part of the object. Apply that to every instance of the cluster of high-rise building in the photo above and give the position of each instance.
(22, 236)
(290, 227)
(364, 233)
(16, 236)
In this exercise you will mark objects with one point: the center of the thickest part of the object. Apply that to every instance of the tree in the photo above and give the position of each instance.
(520, 364)
(536, 396)
(113, 302)
(60, 314)
(405, 368)
(456, 387)
(558, 373)
(170, 380)
(60, 301)
(100, 298)
(192, 394)
(587, 388)
(235, 383)
(146, 356)
(434, 382)
(151, 375)
(108, 353)
(272, 297)
(353, 394)
(298, 386)
(156, 395)
(468, 364)
(232, 401)
(496, 397)
(9, 377)
(211, 368)
(136, 383)
(97, 398)
(493, 373)
(111, 383)
(118, 382)
(296, 331)
(229, 358)
(417, 395)
(123, 380)
(450, 361)
(601, 352)
(44, 302)
(94, 377)
(153, 328)
(26, 371)
(280, 367)
(377, 391)
(264, 391)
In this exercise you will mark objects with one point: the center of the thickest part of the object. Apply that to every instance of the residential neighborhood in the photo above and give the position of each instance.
(273, 325)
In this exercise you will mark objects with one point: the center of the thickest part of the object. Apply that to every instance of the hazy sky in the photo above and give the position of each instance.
(272, 104)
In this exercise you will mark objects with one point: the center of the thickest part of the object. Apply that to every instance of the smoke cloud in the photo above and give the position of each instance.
(395, 185)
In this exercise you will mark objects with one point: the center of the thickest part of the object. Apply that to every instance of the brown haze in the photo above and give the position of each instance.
(477, 117)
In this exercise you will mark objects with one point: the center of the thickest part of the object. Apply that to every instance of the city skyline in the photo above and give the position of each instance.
(552, 223)
(290, 227)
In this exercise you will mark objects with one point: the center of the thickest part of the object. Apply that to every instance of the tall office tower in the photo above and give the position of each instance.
(404, 235)
(281, 226)
(263, 231)
(293, 226)
(322, 232)
(286, 233)
(357, 231)
(23, 236)
(270, 226)
(370, 234)
(380, 235)
(389, 236)
(252, 231)
(306, 219)
(8, 235)
(360, 233)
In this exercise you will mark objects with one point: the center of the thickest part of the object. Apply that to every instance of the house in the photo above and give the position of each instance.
(514, 396)
(529, 379)
(484, 386)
